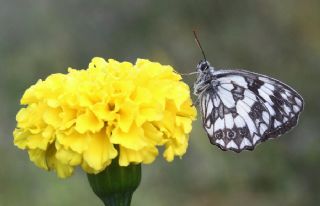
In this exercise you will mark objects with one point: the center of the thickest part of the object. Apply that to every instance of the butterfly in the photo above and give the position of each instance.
(241, 109)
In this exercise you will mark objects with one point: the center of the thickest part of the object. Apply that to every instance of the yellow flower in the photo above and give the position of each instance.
(89, 117)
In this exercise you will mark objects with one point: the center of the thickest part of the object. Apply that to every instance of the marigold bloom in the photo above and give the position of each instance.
(89, 117)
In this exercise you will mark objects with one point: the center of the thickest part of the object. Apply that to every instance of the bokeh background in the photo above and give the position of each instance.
(278, 38)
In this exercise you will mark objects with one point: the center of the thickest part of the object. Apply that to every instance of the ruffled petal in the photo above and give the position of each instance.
(100, 151)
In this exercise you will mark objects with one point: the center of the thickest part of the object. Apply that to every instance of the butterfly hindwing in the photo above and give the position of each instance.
(241, 109)
(236, 121)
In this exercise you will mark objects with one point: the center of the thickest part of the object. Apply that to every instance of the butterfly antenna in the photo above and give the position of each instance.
(199, 45)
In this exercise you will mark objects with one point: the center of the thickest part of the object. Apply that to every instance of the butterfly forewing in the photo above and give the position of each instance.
(241, 108)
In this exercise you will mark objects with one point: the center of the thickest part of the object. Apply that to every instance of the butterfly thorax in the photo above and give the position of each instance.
(205, 77)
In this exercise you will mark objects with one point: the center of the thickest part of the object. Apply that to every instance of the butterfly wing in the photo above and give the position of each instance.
(241, 109)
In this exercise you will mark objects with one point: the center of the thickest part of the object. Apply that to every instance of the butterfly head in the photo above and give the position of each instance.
(203, 66)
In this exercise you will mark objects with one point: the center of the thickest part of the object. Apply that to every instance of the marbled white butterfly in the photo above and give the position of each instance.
(241, 109)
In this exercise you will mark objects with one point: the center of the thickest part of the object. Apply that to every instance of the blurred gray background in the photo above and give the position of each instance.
(277, 38)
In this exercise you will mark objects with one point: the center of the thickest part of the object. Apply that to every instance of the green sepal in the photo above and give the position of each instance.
(115, 185)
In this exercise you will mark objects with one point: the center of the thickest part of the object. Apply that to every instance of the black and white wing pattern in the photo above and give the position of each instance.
(241, 109)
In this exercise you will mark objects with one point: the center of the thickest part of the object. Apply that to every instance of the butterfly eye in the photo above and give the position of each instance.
(203, 65)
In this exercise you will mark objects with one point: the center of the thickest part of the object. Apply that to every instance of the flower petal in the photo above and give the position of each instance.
(146, 155)
(100, 151)
(88, 122)
(133, 139)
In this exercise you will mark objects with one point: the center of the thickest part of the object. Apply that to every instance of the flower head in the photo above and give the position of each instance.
(89, 117)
